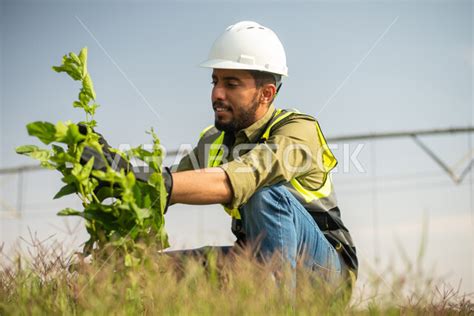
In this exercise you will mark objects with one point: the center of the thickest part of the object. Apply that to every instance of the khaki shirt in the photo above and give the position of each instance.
(293, 150)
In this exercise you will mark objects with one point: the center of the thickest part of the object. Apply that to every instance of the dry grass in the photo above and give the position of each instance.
(53, 281)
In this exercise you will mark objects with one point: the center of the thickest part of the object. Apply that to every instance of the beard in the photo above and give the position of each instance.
(241, 120)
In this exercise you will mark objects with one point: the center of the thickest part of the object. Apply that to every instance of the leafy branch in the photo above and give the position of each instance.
(119, 211)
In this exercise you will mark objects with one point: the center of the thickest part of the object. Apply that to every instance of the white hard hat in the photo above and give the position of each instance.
(250, 46)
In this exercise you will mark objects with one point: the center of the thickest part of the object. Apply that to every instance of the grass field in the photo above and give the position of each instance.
(53, 281)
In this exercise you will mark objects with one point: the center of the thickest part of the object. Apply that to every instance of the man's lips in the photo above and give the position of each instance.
(221, 108)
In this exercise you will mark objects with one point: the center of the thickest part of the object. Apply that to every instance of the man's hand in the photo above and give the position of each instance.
(114, 160)
(118, 163)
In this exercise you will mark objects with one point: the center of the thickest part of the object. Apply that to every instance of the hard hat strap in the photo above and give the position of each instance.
(279, 84)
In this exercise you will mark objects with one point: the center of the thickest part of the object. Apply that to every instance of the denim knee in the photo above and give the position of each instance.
(267, 220)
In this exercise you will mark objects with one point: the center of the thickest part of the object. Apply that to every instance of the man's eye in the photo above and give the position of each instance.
(232, 84)
(213, 82)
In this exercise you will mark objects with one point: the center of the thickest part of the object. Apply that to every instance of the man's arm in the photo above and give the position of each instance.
(203, 186)
(293, 150)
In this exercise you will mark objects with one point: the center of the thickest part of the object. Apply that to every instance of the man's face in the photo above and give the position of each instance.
(235, 99)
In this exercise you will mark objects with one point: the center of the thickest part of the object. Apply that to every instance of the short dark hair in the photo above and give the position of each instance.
(261, 78)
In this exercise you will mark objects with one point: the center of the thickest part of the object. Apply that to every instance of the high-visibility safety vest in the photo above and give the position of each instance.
(321, 203)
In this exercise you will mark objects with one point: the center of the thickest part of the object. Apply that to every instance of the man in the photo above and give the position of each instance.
(269, 168)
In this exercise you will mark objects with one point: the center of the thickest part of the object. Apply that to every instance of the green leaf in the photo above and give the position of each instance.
(45, 131)
(83, 55)
(155, 180)
(66, 190)
(107, 192)
(109, 175)
(88, 86)
(72, 70)
(86, 171)
(83, 59)
(92, 123)
(57, 68)
(75, 59)
(60, 130)
(81, 173)
(57, 149)
(26, 149)
(72, 65)
(68, 178)
(68, 133)
(157, 151)
(84, 97)
(60, 156)
(142, 213)
(78, 104)
(70, 212)
(90, 109)
(147, 201)
(37, 153)
(105, 219)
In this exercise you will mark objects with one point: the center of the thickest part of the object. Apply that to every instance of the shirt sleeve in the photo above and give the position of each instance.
(293, 150)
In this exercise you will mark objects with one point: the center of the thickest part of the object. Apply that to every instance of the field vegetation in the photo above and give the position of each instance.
(47, 279)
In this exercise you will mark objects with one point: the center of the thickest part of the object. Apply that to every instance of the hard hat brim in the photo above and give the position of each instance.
(226, 64)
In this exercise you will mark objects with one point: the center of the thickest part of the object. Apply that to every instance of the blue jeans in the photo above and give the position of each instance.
(278, 221)
(275, 220)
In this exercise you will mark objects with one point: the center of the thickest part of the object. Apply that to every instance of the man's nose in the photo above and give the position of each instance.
(218, 93)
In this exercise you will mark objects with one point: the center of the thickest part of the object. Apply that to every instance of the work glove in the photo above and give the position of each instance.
(114, 160)
(117, 163)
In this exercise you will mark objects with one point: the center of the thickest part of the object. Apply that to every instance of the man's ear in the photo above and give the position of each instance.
(268, 93)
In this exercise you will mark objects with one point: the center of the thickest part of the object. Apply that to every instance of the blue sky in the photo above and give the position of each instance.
(358, 66)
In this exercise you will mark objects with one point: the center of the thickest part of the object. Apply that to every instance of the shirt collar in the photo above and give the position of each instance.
(254, 130)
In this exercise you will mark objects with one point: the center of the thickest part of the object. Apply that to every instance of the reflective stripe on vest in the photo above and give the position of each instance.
(204, 131)
(278, 119)
(216, 152)
(329, 162)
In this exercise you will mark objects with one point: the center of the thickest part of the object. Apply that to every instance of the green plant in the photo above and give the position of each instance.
(135, 212)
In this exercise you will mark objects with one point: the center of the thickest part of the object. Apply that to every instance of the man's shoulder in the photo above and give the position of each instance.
(295, 113)
(209, 135)
(293, 117)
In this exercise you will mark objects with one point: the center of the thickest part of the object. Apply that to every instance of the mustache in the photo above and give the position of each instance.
(221, 104)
